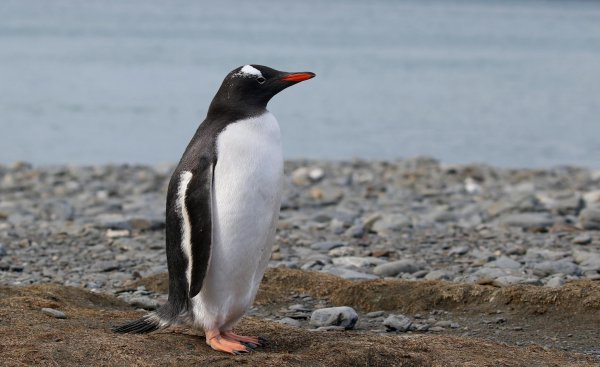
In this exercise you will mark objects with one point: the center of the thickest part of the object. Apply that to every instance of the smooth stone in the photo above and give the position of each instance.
(590, 219)
(420, 327)
(374, 314)
(326, 246)
(582, 239)
(54, 313)
(316, 174)
(300, 176)
(355, 231)
(436, 329)
(396, 267)
(105, 266)
(555, 282)
(504, 262)
(143, 302)
(342, 251)
(438, 275)
(507, 280)
(458, 250)
(443, 323)
(111, 220)
(329, 328)
(391, 223)
(397, 323)
(343, 316)
(546, 268)
(588, 261)
(326, 195)
(527, 220)
(289, 321)
(350, 274)
(357, 261)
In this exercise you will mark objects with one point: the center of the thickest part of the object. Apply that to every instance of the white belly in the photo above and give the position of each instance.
(247, 187)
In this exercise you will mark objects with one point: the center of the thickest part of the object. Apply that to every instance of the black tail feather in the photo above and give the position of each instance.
(144, 325)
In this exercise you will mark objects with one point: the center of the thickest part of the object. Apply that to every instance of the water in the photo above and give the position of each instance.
(506, 83)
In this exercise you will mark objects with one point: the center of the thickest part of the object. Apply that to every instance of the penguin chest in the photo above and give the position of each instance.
(246, 198)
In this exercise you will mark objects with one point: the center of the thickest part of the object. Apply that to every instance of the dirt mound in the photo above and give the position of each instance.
(416, 296)
(30, 337)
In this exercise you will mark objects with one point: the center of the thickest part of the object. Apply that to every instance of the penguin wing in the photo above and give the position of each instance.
(198, 203)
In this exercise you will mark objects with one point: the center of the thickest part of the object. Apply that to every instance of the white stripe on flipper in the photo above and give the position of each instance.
(186, 230)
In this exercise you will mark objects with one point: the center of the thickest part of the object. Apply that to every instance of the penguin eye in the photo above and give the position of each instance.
(260, 80)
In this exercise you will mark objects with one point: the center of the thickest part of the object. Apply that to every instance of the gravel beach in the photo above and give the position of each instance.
(102, 228)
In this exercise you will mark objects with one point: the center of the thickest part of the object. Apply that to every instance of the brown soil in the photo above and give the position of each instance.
(29, 337)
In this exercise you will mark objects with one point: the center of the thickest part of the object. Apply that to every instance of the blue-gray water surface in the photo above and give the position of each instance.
(510, 83)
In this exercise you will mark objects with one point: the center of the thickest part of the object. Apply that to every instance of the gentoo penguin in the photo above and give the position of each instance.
(222, 207)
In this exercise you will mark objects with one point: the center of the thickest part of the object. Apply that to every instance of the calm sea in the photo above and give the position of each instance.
(510, 83)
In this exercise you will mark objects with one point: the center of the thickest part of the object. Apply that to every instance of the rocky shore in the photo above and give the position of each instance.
(101, 228)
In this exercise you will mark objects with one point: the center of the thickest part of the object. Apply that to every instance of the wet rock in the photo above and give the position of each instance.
(396, 267)
(399, 323)
(343, 316)
(3, 251)
(54, 313)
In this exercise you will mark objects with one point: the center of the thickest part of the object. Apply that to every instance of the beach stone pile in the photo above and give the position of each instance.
(102, 227)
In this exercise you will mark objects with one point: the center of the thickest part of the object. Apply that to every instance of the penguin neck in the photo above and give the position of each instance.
(234, 109)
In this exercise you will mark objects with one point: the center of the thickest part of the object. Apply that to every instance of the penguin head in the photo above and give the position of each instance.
(255, 85)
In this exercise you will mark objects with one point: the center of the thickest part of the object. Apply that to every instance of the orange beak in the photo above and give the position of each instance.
(298, 77)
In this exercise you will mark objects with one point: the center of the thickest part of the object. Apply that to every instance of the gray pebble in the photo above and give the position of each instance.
(350, 274)
(527, 220)
(374, 314)
(590, 219)
(438, 275)
(555, 282)
(289, 321)
(54, 313)
(397, 323)
(143, 302)
(325, 246)
(396, 267)
(342, 316)
(582, 239)
(546, 268)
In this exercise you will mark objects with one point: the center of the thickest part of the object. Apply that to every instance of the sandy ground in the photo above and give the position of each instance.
(30, 337)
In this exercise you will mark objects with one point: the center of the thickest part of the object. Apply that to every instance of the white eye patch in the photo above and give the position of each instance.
(248, 71)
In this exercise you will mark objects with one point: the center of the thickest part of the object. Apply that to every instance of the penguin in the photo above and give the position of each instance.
(222, 208)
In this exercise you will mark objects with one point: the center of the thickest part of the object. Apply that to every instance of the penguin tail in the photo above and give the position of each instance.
(159, 319)
(146, 324)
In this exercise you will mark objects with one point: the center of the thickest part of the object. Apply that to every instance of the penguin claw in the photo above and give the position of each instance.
(250, 346)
